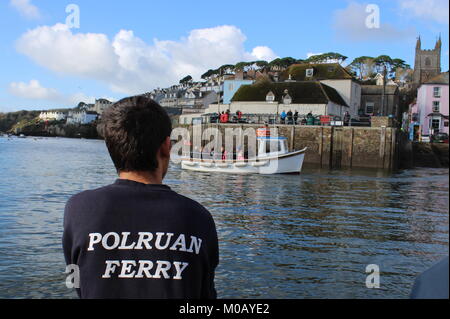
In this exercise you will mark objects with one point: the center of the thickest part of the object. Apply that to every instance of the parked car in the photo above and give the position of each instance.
(440, 138)
(425, 138)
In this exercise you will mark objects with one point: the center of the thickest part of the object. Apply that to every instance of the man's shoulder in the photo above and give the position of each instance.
(189, 203)
(104, 194)
(88, 196)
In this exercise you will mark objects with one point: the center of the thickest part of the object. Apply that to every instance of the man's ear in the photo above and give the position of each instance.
(166, 147)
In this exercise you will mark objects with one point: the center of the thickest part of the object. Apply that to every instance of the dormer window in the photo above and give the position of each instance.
(270, 97)
(287, 98)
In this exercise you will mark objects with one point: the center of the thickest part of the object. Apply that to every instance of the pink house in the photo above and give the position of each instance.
(431, 109)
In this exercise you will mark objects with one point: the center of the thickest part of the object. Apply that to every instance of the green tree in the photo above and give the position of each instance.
(207, 74)
(226, 69)
(282, 63)
(241, 66)
(362, 67)
(327, 58)
(186, 79)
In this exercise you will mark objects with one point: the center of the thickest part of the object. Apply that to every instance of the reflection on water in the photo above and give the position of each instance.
(307, 236)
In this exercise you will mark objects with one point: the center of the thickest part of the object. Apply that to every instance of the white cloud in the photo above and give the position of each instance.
(33, 91)
(350, 24)
(26, 8)
(129, 64)
(263, 53)
(433, 10)
(36, 92)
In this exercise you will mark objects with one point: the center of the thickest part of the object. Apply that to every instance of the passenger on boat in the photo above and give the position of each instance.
(240, 154)
(224, 153)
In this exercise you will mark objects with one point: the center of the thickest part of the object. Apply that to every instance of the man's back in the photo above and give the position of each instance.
(133, 240)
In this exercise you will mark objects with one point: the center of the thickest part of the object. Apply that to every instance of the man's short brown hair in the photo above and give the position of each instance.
(134, 129)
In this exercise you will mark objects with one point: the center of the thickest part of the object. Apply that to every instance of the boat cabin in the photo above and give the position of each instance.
(272, 146)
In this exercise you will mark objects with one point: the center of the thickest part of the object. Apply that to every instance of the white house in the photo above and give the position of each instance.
(333, 75)
(53, 116)
(81, 117)
(274, 98)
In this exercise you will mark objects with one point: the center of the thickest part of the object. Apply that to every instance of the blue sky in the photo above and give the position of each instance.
(129, 47)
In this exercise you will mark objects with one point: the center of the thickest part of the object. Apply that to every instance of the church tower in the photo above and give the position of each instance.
(427, 63)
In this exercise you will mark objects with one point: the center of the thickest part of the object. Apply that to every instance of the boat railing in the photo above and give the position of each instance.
(217, 157)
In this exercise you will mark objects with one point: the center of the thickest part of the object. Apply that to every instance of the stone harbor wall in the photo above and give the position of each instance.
(334, 147)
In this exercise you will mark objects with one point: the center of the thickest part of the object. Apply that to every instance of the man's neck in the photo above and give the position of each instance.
(142, 177)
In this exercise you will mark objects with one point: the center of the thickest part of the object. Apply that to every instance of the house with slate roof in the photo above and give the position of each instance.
(332, 75)
(304, 97)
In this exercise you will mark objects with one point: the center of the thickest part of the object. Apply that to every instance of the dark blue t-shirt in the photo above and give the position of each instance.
(132, 240)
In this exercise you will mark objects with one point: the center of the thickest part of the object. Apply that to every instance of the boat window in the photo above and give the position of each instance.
(272, 146)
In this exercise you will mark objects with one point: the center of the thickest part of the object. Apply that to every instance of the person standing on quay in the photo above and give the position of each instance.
(283, 117)
(295, 117)
(137, 238)
(226, 116)
(289, 117)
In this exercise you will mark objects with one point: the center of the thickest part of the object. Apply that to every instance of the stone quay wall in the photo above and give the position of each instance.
(334, 147)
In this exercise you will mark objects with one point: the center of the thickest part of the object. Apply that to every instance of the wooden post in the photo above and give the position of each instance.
(291, 145)
(321, 145)
(392, 162)
(350, 155)
(330, 159)
(382, 145)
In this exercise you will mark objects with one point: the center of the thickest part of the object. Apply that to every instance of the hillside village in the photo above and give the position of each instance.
(288, 91)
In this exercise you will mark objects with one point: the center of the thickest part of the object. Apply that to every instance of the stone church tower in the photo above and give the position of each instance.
(427, 63)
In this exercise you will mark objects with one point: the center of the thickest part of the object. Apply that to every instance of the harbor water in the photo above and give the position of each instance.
(296, 236)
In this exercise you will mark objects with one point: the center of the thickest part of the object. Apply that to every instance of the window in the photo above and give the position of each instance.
(427, 62)
(446, 123)
(436, 106)
(437, 91)
(272, 146)
(435, 124)
(270, 97)
(370, 107)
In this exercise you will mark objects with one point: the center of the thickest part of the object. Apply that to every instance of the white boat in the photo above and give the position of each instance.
(273, 158)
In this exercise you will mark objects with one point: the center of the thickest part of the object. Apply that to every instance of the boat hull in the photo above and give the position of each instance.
(290, 163)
